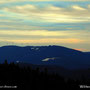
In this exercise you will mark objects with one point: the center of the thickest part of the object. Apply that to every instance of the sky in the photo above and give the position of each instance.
(45, 22)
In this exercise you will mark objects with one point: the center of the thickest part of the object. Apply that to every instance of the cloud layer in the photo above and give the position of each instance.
(72, 14)
(45, 22)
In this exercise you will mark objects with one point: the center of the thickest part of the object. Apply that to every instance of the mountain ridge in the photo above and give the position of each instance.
(46, 55)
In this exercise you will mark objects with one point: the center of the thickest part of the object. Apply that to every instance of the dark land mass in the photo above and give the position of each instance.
(44, 67)
(46, 55)
(28, 78)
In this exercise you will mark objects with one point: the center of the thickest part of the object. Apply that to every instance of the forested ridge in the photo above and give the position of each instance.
(26, 77)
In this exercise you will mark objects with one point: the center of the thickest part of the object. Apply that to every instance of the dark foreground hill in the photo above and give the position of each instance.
(13, 76)
(66, 73)
(46, 55)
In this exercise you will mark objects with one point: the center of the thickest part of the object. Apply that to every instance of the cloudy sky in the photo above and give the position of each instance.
(45, 22)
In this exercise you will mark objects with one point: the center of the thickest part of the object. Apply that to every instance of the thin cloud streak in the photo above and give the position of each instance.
(13, 1)
(47, 40)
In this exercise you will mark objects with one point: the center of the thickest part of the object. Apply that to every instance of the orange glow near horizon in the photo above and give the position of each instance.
(46, 40)
(80, 49)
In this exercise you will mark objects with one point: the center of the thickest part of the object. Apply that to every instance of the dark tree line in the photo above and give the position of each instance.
(13, 75)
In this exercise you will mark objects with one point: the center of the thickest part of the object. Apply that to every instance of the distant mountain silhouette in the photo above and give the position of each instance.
(46, 55)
